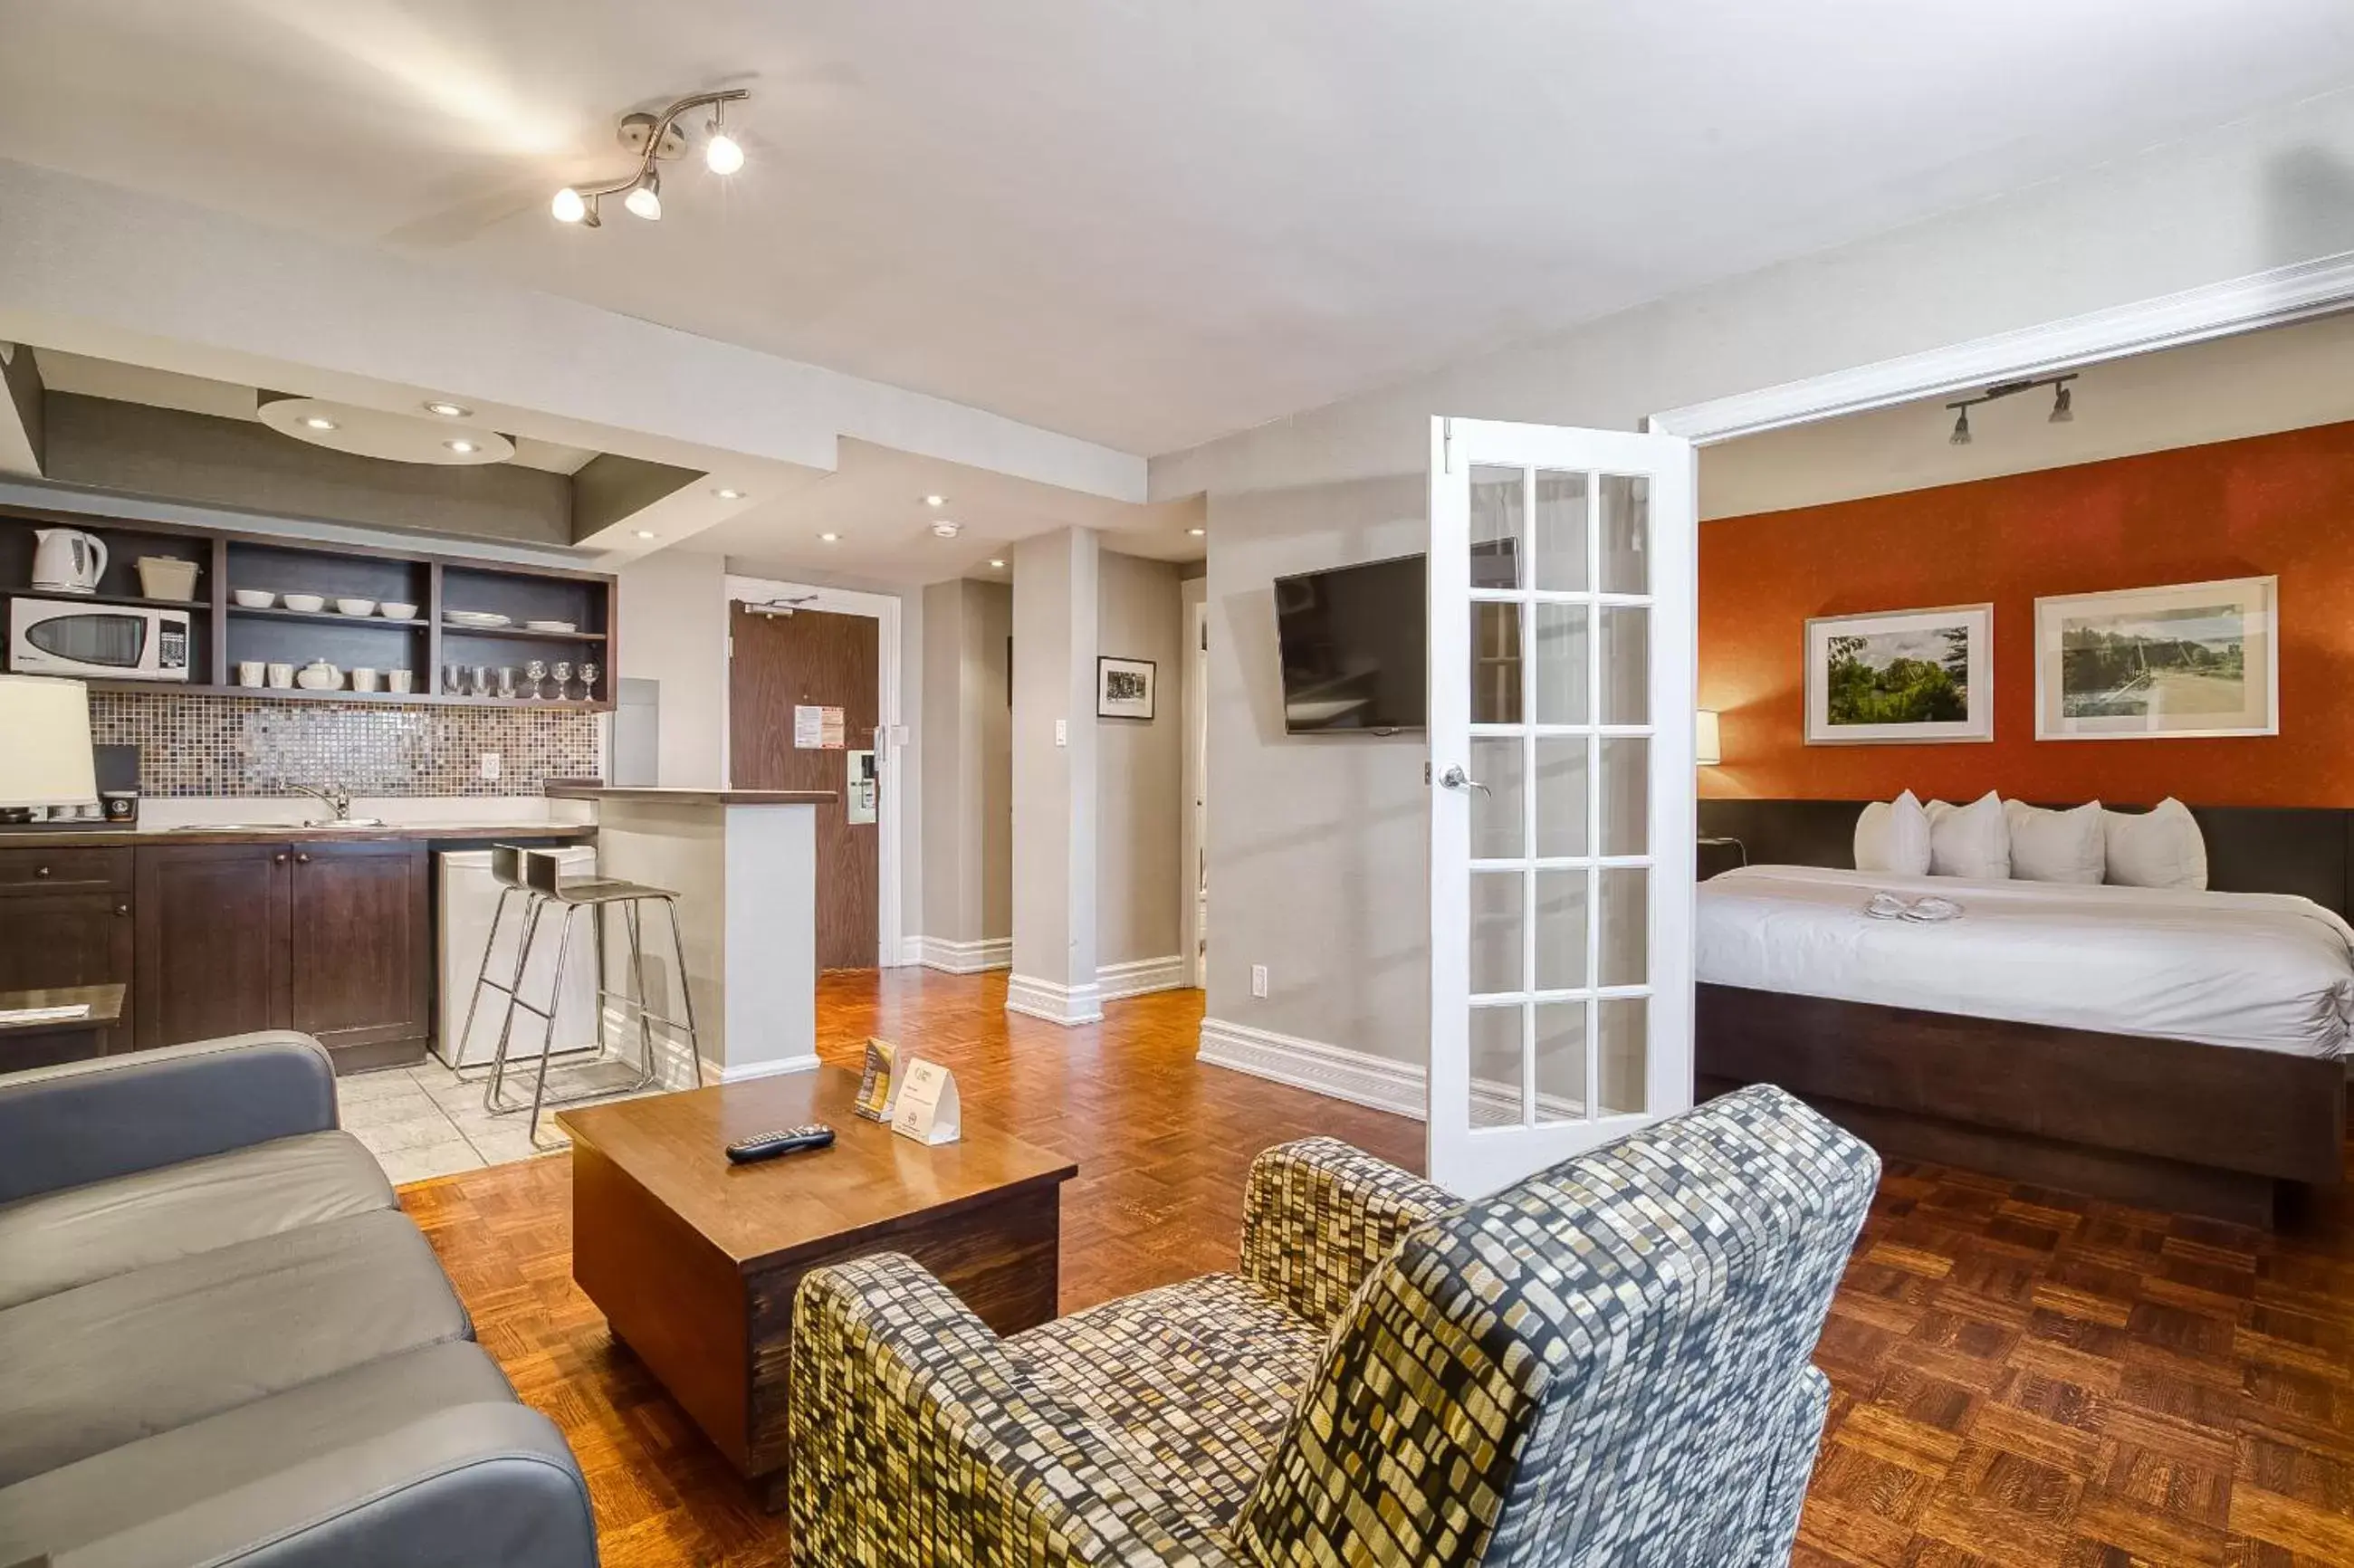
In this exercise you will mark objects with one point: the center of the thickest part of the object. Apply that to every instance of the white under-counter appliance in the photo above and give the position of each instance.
(470, 895)
(77, 637)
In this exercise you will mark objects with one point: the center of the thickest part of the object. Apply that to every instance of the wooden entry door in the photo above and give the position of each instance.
(812, 659)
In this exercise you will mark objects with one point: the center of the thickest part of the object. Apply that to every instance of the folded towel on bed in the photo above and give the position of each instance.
(1886, 906)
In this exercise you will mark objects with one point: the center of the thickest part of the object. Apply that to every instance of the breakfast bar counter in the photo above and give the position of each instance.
(744, 866)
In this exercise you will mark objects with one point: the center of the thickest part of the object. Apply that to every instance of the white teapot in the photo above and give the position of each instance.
(319, 675)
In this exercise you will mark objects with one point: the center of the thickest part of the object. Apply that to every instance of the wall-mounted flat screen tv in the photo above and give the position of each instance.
(1354, 642)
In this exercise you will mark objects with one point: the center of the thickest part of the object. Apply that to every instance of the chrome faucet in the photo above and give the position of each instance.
(334, 795)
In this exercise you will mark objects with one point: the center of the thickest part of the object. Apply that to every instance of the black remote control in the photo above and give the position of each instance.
(784, 1141)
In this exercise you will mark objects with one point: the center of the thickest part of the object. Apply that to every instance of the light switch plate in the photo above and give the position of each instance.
(488, 770)
(1062, 732)
(1259, 979)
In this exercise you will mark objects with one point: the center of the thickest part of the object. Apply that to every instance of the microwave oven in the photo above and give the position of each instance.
(66, 637)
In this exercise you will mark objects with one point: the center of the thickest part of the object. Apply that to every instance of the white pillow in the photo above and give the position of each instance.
(1970, 841)
(2055, 846)
(2161, 847)
(1892, 837)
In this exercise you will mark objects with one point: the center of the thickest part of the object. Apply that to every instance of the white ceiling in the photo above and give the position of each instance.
(2251, 385)
(1140, 222)
(875, 502)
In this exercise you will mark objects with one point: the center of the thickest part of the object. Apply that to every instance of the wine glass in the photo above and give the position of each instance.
(588, 683)
(562, 671)
(535, 675)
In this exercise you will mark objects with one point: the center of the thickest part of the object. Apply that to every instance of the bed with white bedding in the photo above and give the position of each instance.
(2262, 970)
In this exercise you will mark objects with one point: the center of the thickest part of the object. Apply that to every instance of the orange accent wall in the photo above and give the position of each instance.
(2279, 505)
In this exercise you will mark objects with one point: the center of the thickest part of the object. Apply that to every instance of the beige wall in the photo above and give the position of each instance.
(673, 613)
(1054, 616)
(1140, 766)
(967, 782)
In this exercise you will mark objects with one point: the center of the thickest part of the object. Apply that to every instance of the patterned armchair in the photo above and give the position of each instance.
(1607, 1364)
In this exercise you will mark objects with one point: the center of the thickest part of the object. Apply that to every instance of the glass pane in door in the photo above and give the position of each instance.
(1561, 547)
(1496, 1097)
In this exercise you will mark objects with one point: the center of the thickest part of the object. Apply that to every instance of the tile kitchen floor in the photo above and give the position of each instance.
(421, 1121)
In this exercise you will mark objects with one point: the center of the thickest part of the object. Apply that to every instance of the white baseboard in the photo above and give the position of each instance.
(961, 958)
(1139, 976)
(1055, 1004)
(911, 950)
(1357, 1076)
(712, 1073)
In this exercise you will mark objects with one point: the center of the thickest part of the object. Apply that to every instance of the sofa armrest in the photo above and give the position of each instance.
(85, 1122)
(921, 1438)
(1319, 1215)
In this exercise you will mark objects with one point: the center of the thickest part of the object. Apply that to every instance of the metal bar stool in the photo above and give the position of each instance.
(538, 877)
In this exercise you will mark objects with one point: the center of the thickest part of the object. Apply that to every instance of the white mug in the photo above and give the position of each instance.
(397, 679)
(249, 672)
(362, 680)
(281, 674)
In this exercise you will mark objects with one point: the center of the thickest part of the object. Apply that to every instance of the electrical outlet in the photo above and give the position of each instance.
(1062, 732)
(487, 771)
(1259, 979)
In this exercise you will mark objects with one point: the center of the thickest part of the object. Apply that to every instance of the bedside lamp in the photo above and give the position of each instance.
(45, 754)
(1708, 747)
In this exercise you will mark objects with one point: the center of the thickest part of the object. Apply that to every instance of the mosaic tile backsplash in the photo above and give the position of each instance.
(193, 745)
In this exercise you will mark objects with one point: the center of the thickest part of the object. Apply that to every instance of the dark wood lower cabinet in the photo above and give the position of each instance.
(66, 920)
(330, 938)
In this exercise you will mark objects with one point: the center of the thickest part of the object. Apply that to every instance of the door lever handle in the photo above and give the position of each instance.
(1453, 777)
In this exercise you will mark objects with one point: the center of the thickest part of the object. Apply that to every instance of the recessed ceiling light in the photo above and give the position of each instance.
(448, 410)
(830, 538)
(997, 563)
(318, 422)
(461, 446)
(647, 534)
(725, 494)
(947, 530)
(1197, 532)
(936, 501)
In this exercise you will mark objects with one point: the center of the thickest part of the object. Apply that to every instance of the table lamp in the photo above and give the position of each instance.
(1708, 747)
(45, 752)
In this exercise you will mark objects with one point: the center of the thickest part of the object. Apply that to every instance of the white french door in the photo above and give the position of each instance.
(1562, 629)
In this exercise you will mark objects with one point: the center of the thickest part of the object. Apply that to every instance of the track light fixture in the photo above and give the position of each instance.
(2063, 405)
(653, 137)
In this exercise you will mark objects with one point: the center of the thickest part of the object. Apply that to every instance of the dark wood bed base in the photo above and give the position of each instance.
(2221, 1130)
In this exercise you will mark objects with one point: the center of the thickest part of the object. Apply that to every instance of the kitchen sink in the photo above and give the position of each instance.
(275, 827)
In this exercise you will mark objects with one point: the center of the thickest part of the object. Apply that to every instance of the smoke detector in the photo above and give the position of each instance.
(947, 530)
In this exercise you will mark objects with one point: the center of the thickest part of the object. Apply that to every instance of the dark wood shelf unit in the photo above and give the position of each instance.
(224, 634)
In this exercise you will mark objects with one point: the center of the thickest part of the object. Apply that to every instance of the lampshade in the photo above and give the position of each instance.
(44, 755)
(1708, 749)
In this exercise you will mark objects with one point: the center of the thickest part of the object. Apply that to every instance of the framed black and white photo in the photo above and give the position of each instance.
(2191, 659)
(1900, 675)
(1124, 688)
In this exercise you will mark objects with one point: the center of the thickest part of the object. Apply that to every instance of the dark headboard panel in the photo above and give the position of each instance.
(2305, 850)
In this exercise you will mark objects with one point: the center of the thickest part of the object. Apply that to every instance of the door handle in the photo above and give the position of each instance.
(278, 859)
(1453, 777)
(303, 859)
(123, 909)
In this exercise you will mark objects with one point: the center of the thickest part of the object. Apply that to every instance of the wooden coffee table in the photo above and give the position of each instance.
(693, 1261)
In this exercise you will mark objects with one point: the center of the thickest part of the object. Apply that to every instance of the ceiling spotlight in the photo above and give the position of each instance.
(2063, 405)
(648, 533)
(645, 196)
(1961, 436)
(831, 538)
(998, 564)
(725, 494)
(947, 530)
(448, 410)
(722, 155)
(936, 501)
(462, 448)
(318, 422)
(648, 137)
(1197, 532)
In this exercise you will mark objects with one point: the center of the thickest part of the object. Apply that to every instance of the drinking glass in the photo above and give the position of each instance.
(535, 675)
(482, 680)
(506, 682)
(453, 680)
(588, 683)
(563, 673)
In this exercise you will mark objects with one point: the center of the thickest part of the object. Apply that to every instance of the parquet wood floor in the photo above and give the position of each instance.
(2022, 1377)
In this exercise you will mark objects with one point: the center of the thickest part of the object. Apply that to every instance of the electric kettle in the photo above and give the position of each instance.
(67, 560)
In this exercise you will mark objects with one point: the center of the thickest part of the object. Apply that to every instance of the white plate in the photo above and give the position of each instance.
(551, 626)
(475, 617)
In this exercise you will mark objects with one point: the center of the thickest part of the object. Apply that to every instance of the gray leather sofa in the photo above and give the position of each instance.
(220, 1340)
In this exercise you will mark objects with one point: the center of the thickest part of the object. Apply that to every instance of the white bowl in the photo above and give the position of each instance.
(308, 603)
(356, 606)
(255, 598)
(393, 611)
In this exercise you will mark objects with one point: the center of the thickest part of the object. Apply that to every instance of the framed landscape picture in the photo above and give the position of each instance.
(1907, 675)
(1124, 688)
(2195, 658)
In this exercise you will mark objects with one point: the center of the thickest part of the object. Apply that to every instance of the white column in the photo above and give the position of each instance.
(1055, 779)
